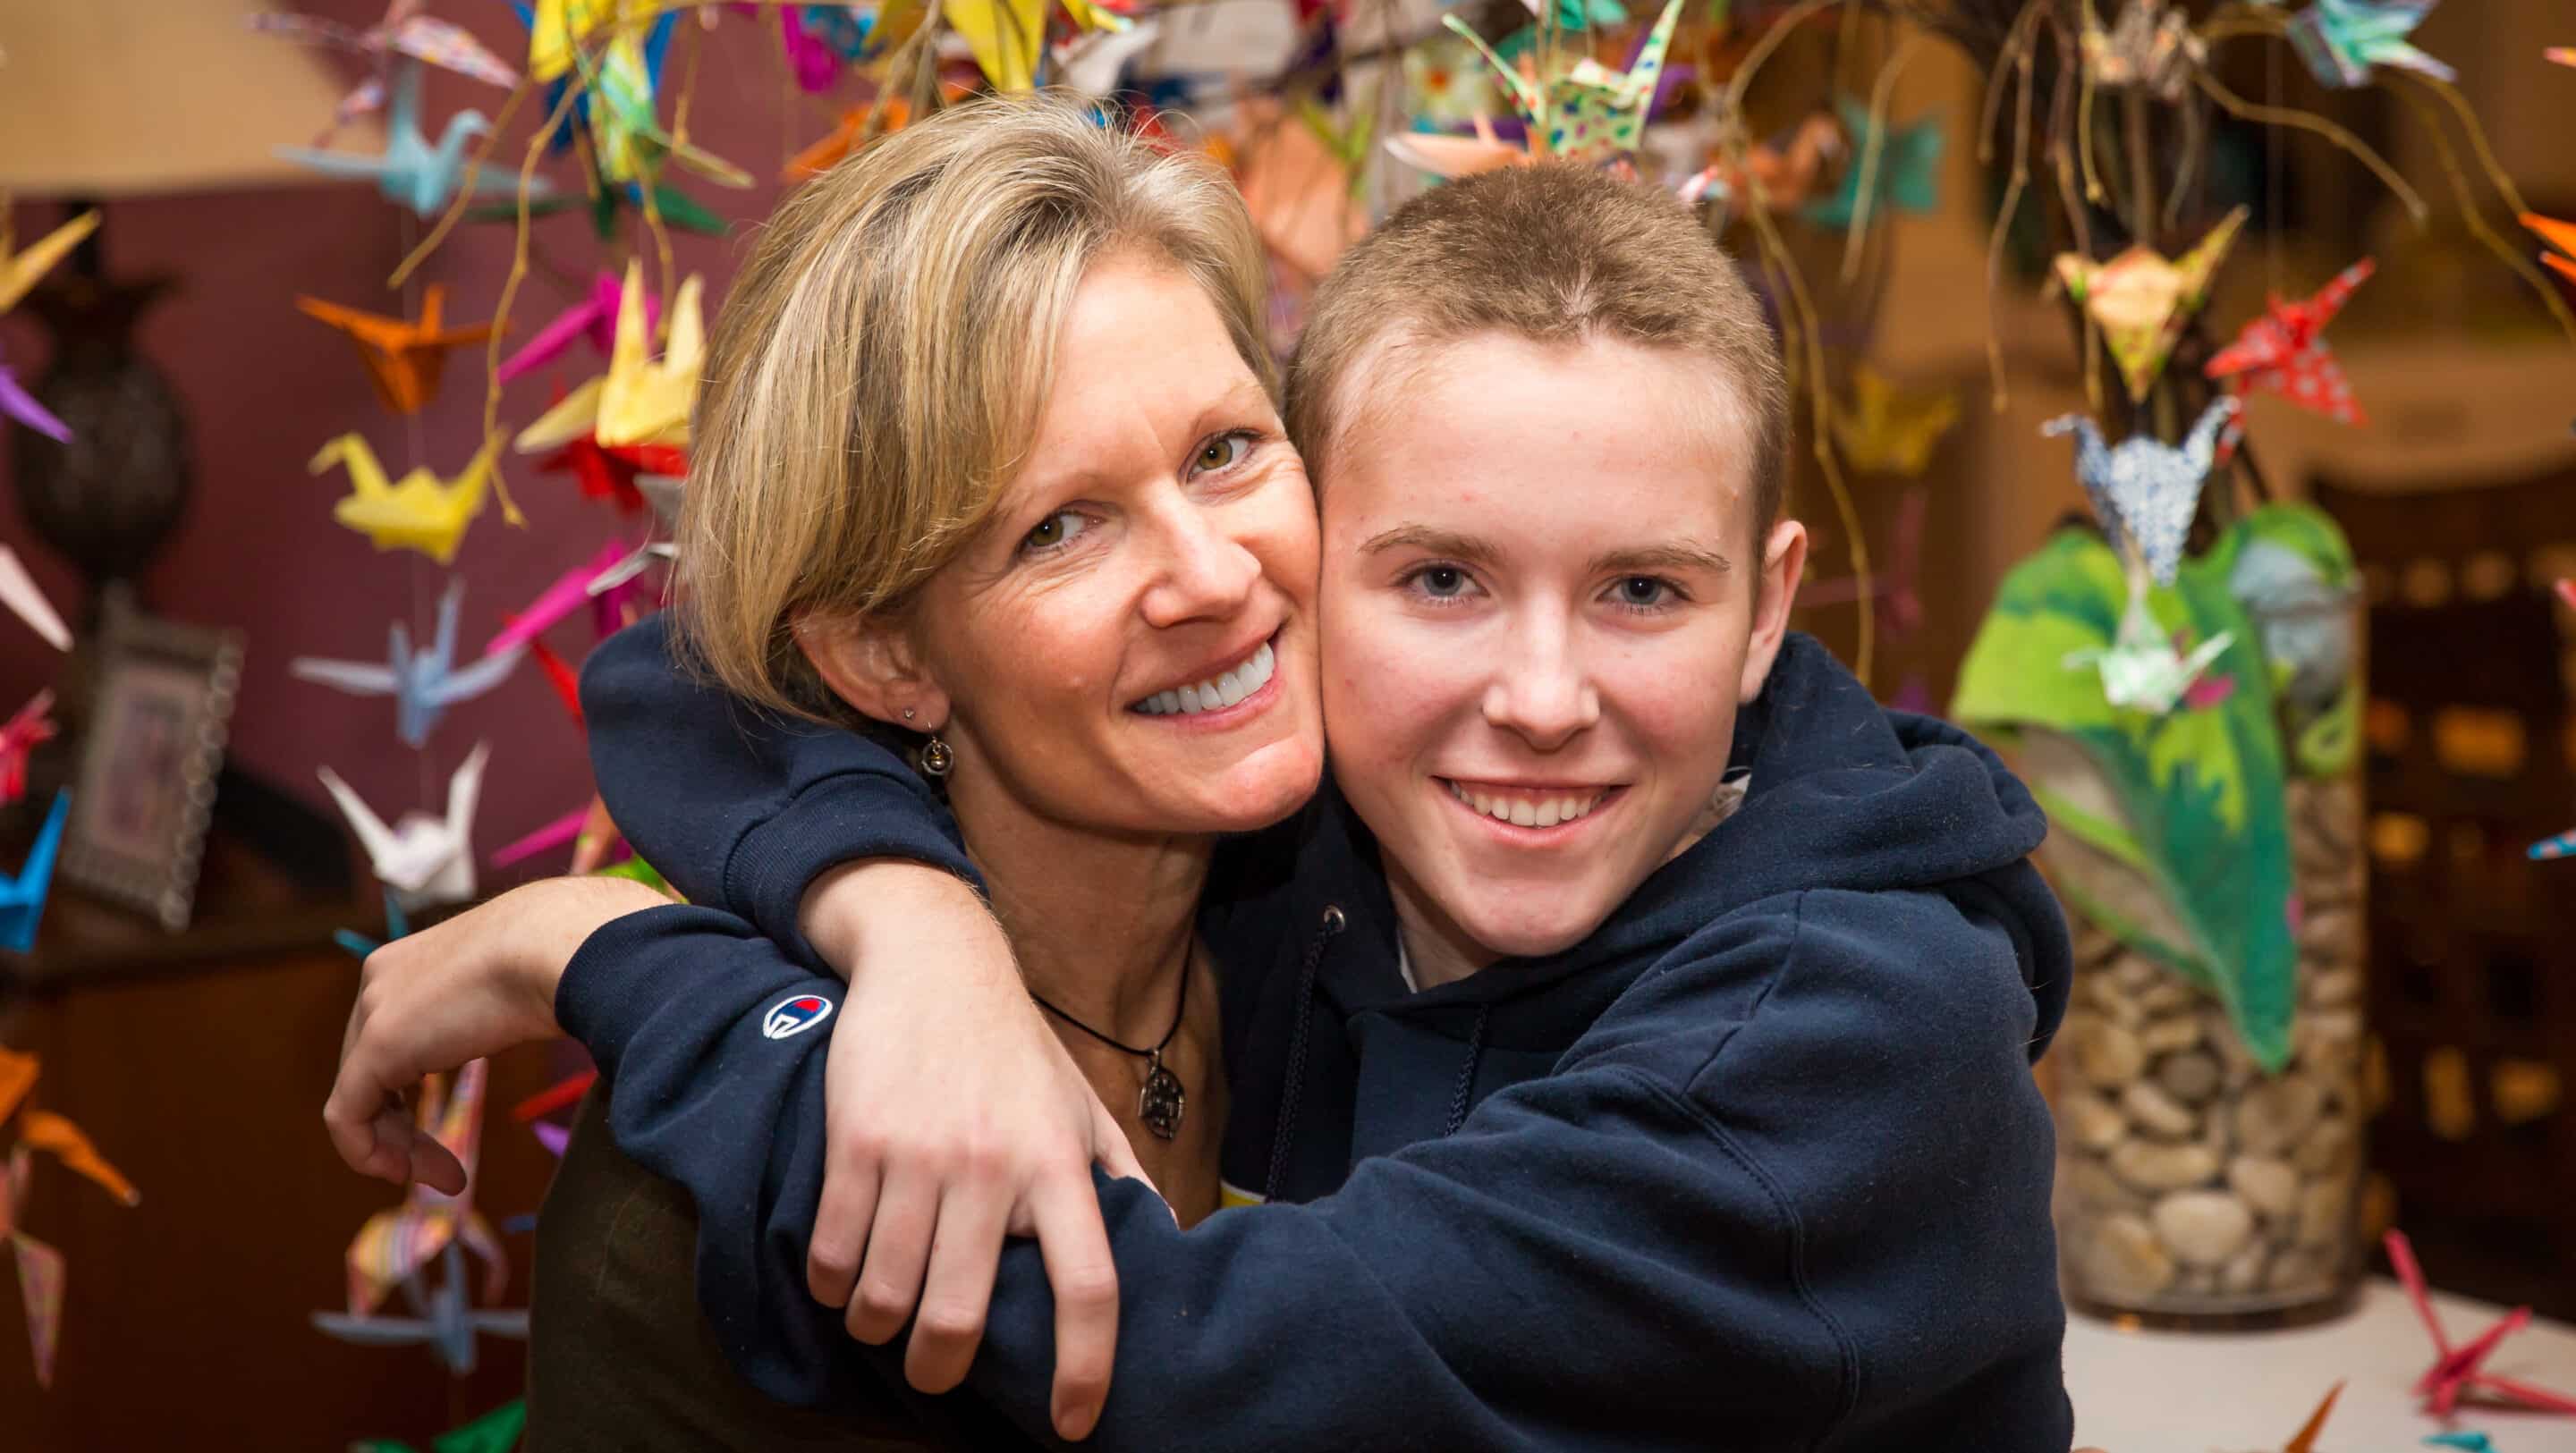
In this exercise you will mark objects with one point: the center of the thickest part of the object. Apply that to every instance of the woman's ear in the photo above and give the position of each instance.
(870, 663)
(1784, 560)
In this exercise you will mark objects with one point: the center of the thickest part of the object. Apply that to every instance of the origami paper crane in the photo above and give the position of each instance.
(22, 897)
(608, 474)
(570, 591)
(594, 318)
(423, 683)
(23, 406)
(2474, 1442)
(1591, 113)
(1093, 65)
(420, 511)
(847, 31)
(626, 131)
(404, 31)
(497, 1431)
(41, 1267)
(2564, 55)
(394, 1247)
(1452, 157)
(2148, 46)
(2305, 1440)
(642, 401)
(1781, 175)
(2285, 350)
(403, 356)
(2342, 40)
(2560, 235)
(2142, 301)
(24, 731)
(2456, 1370)
(2146, 491)
(19, 591)
(396, 926)
(19, 270)
(845, 137)
(411, 171)
(1889, 430)
(423, 860)
(1905, 176)
(1006, 37)
(557, 28)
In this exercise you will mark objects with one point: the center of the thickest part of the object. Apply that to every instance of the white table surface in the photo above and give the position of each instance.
(2180, 1392)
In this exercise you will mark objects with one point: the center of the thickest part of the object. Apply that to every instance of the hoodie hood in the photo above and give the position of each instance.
(1839, 793)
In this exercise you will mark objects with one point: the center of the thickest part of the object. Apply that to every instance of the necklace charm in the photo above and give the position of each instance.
(1162, 1102)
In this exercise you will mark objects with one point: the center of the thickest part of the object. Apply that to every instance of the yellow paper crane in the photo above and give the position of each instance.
(418, 512)
(2142, 300)
(557, 27)
(1888, 430)
(19, 270)
(638, 401)
(1008, 37)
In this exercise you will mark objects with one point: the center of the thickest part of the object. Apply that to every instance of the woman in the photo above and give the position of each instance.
(1636, 1153)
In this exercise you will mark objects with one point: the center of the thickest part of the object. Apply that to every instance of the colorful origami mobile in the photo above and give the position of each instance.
(22, 896)
(19, 591)
(1902, 166)
(394, 1248)
(2149, 46)
(2285, 350)
(420, 511)
(31, 727)
(404, 31)
(594, 318)
(1888, 430)
(403, 356)
(497, 1431)
(638, 401)
(1781, 174)
(423, 861)
(20, 270)
(23, 406)
(2456, 1370)
(2342, 40)
(424, 684)
(1590, 113)
(2142, 301)
(2559, 235)
(411, 171)
(41, 1267)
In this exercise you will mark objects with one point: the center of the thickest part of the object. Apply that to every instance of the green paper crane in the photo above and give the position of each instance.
(495, 1432)
(1905, 175)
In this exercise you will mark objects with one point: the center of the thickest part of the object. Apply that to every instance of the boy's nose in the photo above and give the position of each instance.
(1544, 695)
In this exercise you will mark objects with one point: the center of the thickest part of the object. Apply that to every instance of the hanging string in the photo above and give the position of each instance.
(416, 456)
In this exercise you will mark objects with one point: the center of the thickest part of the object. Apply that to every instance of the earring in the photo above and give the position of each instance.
(907, 713)
(936, 758)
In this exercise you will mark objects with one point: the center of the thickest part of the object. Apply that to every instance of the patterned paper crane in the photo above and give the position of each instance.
(2284, 350)
(40, 1267)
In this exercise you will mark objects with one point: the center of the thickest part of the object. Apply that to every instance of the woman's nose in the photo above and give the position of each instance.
(1208, 574)
(1543, 694)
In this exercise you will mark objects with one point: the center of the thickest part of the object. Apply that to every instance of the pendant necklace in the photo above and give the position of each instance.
(1161, 1103)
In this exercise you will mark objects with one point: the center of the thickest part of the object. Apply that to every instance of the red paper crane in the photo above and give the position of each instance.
(2285, 351)
(32, 724)
(2455, 1370)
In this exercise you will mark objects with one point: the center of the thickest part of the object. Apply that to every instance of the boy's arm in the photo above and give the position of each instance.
(1728, 1198)
(743, 810)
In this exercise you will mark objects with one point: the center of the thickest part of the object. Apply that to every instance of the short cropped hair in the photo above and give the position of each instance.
(880, 367)
(1552, 253)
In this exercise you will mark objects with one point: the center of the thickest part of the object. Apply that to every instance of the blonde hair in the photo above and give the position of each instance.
(881, 364)
(1553, 254)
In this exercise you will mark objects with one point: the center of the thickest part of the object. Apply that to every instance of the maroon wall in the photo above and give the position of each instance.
(266, 386)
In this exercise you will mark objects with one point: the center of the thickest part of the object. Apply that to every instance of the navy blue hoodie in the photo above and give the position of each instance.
(1759, 1163)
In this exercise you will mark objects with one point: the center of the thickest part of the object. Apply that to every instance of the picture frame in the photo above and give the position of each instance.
(160, 710)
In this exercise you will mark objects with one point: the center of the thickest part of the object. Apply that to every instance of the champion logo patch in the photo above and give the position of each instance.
(795, 1015)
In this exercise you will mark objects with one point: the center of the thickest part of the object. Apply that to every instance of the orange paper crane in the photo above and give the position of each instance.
(403, 357)
(2561, 235)
(40, 1267)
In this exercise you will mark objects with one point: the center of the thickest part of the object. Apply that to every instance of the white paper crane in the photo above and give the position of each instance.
(425, 860)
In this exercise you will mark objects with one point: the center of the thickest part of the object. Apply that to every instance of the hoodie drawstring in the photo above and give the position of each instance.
(1286, 1137)
(1467, 1077)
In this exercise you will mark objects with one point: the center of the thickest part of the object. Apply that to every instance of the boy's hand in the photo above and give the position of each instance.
(954, 1118)
(479, 983)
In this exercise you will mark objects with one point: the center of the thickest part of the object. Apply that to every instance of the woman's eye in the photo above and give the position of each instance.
(1222, 452)
(1056, 529)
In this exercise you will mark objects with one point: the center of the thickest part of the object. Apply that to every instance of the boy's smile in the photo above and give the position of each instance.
(1537, 631)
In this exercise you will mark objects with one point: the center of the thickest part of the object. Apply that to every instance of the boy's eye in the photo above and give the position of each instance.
(1442, 581)
(1643, 592)
(1222, 452)
(1056, 529)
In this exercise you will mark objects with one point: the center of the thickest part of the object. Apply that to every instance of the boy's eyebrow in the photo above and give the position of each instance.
(1432, 542)
(1659, 557)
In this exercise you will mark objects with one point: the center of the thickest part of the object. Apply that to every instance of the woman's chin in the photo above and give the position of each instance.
(1263, 788)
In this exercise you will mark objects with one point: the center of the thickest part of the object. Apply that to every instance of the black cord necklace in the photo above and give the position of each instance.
(1162, 1102)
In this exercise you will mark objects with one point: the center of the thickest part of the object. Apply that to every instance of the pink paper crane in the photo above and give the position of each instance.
(2284, 350)
(2455, 1369)
(594, 318)
(32, 724)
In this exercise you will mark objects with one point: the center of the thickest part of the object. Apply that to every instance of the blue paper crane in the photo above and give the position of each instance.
(423, 683)
(444, 1322)
(410, 170)
(22, 897)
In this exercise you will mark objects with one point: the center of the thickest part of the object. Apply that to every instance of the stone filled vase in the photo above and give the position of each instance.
(2193, 1185)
